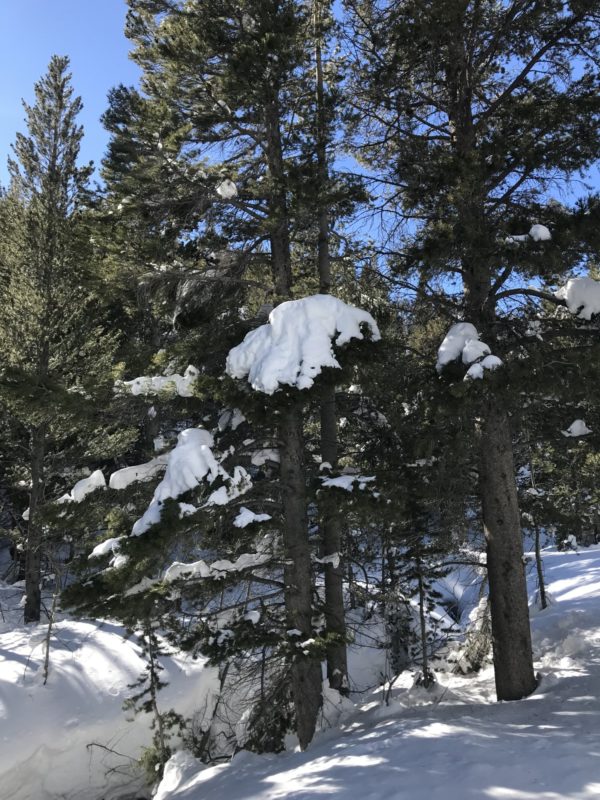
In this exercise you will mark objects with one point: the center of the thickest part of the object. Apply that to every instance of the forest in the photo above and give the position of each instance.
(299, 409)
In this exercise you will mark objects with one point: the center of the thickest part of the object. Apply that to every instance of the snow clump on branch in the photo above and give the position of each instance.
(462, 341)
(296, 344)
(581, 296)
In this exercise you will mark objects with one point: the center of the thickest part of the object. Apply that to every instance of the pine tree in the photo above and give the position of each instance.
(456, 101)
(55, 380)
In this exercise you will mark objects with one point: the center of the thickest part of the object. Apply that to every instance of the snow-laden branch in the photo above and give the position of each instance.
(581, 296)
(190, 462)
(297, 343)
(154, 384)
(462, 341)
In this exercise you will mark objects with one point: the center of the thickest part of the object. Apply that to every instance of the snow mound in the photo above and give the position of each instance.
(54, 736)
(582, 297)
(296, 344)
(577, 428)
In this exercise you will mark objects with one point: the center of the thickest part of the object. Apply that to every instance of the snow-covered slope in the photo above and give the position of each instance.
(456, 743)
(70, 738)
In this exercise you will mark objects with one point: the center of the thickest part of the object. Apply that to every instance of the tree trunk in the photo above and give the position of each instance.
(306, 669)
(331, 524)
(331, 520)
(511, 636)
(33, 549)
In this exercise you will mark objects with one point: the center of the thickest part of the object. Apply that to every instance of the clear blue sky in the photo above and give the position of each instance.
(90, 32)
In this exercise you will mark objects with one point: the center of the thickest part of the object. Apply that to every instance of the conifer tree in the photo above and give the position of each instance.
(55, 347)
(472, 108)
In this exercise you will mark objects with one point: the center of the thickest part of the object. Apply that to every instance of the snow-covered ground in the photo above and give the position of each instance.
(70, 738)
(459, 744)
(454, 743)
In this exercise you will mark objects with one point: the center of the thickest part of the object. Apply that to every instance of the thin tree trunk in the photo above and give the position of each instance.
(331, 520)
(331, 523)
(539, 568)
(511, 636)
(427, 677)
(306, 669)
(33, 550)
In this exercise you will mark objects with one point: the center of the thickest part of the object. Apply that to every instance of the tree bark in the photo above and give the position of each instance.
(306, 669)
(331, 521)
(511, 636)
(33, 548)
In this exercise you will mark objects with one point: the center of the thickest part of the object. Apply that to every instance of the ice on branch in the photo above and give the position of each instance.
(582, 297)
(297, 342)
(247, 517)
(154, 384)
(577, 428)
(122, 478)
(462, 341)
(190, 462)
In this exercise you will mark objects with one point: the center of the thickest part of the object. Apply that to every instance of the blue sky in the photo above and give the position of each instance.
(90, 32)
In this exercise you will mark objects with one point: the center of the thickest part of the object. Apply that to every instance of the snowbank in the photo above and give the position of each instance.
(70, 739)
(296, 344)
(455, 742)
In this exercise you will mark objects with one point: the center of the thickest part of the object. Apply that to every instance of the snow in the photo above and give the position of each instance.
(48, 731)
(246, 517)
(239, 483)
(582, 297)
(347, 482)
(227, 189)
(577, 428)
(462, 341)
(123, 478)
(537, 233)
(540, 233)
(453, 742)
(296, 344)
(332, 558)
(106, 547)
(190, 461)
(260, 457)
(201, 569)
(80, 491)
(149, 385)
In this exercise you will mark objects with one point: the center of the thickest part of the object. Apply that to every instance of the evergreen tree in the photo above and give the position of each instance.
(56, 374)
(458, 102)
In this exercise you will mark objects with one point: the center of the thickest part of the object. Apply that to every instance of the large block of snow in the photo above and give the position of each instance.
(297, 343)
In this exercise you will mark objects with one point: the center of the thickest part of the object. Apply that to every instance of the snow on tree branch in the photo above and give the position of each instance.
(189, 462)
(296, 343)
(153, 384)
(582, 296)
(462, 341)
